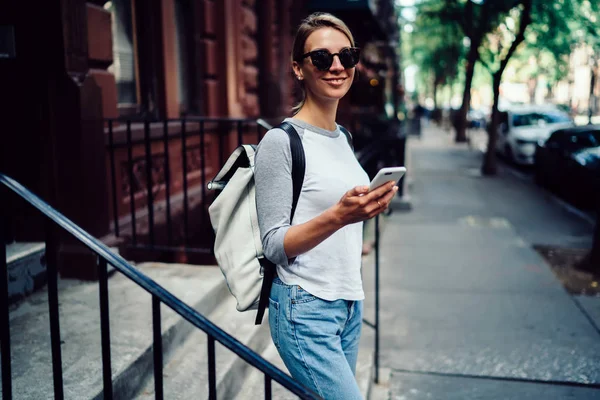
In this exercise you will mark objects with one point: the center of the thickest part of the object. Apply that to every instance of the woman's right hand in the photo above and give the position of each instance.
(358, 204)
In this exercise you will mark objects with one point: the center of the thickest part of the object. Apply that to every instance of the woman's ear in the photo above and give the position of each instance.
(297, 71)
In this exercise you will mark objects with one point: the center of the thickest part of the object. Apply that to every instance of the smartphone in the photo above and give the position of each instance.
(387, 174)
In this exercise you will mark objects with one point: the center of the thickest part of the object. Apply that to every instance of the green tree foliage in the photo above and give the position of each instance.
(556, 28)
(550, 29)
(494, 31)
(436, 48)
(476, 20)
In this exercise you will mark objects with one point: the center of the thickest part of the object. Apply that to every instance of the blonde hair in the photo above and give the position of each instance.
(310, 24)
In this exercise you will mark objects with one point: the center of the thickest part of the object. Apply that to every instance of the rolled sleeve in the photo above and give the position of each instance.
(273, 177)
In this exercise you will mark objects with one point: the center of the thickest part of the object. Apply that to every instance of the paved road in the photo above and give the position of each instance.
(469, 310)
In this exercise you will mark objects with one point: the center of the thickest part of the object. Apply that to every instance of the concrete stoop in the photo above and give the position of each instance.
(254, 387)
(130, 328)
(381, 390)
(184, 347)
(186, 372)
(26, 268)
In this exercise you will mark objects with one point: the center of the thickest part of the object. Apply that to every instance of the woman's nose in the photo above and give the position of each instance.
(337, 64)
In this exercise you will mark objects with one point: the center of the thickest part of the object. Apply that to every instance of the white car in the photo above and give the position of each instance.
(522, 127)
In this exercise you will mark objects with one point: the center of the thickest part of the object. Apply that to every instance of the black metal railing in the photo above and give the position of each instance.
(164, 165)
(368, 158)
(106, 257)
(381, 143)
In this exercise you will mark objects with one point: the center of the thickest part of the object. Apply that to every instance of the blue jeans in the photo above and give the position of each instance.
(317, 339)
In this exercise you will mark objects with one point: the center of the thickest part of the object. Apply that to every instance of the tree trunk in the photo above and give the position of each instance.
(591, 100)
(460, 124)
(435, 91)
(595, 253)
(532, 86)
(591, 262)
(490, 165)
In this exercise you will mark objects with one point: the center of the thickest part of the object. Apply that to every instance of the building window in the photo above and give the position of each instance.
(124, 65)
(185, 56)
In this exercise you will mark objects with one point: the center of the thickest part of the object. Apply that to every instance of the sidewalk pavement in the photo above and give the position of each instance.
(468, 308)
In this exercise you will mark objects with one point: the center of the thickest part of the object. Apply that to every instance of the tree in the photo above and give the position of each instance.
(530, 64)
(494, 30)
(552, 27)
(436, 47)
(476, 19)
(503, 55)
(590, 15)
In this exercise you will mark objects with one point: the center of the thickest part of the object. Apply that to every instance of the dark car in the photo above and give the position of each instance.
(569, 164)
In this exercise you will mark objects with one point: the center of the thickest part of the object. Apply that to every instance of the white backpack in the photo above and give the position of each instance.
(238, 244)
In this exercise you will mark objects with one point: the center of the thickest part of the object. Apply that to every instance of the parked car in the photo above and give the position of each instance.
(521, 127)
(476, 118)
(569, 164)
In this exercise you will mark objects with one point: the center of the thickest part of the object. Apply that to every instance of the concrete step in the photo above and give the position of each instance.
(186, 372)
(381, 390)
(26, 268)
(254, 386)
(184, 347)
(130, 324)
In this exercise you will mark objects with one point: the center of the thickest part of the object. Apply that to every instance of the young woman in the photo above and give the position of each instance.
(315, 307)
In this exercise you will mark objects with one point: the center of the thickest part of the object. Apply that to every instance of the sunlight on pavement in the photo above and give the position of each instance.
(485, 222)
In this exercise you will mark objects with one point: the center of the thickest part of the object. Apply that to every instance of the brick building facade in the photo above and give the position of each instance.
(78, 64)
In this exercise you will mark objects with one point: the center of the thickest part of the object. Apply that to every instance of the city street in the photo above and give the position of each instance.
(130, 110)
(469, 309)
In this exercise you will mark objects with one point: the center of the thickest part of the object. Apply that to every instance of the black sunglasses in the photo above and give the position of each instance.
(322, 59)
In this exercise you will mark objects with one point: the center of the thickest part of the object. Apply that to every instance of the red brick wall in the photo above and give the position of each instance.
(249, 57)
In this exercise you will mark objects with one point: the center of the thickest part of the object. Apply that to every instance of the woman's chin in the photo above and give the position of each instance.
(336, 93)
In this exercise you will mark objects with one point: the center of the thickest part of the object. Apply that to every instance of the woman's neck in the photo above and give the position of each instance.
(320, 114)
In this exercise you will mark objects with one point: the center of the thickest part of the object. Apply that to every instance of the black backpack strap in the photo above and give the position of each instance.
(298, 169)
(298, 163)
(348, 136)
(269, 271)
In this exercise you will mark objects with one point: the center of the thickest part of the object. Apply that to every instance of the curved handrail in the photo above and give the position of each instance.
(178, 119)
(191, 315)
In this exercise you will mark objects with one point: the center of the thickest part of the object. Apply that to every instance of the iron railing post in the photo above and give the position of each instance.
(157, 348)
(185, 184)
(113, 176)
(55, 341)
(376, 299)
(221, 145)
(4, 312)
(212, 374)
(105, 329)
(240, 132)
(167, 180)
(203, 171)
(149, 182)
(268, 389)
(131, 185)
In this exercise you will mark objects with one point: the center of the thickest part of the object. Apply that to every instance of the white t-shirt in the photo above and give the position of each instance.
(331, 270)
